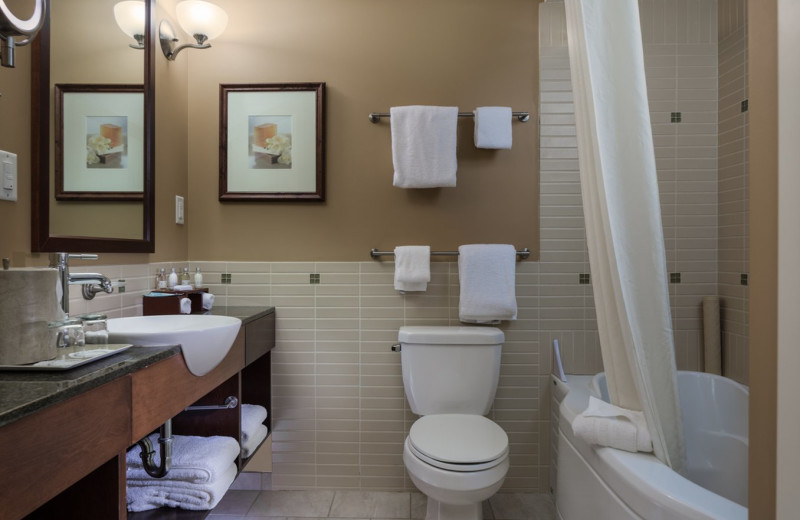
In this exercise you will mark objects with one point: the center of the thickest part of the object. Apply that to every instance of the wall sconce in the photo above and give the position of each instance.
(203, 20)
(11, 27)
(130, 18)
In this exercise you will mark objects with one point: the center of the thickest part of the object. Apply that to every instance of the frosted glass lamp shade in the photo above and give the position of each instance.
(198, 17)
(130, 17)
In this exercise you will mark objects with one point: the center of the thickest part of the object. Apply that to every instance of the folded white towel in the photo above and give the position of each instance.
(194, 459)
(486, 275)
(493, 127)
(424, 146)
(183, 287)
(412, 268)
(196, 497)
(607, 425)
(253, 416)
(208, 301)
(250, 445)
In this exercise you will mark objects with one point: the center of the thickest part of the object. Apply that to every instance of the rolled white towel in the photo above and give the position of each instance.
(253, 416)
(196, 497)
(412, 268)
(208, 301)
(194, 459)
(604, 424)
(186, 306)
(250, 445)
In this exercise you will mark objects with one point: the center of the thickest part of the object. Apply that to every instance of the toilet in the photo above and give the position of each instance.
(454, 455)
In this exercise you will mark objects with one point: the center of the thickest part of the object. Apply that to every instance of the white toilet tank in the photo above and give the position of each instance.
(450, 369)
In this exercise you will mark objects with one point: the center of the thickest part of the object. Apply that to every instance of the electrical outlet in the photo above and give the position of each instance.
(178, 209)
(8, 176)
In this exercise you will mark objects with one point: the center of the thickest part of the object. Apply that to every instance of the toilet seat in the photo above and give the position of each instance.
(458, 442)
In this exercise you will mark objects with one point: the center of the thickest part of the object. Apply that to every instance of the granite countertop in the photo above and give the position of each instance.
(25, 393)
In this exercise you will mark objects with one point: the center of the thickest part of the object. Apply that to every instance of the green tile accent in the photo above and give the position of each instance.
(584, 278)
(744, 279)
(675, 117)
(226, 278)
(121, 286)
(313, 278)
(745, 105)
(674, 277)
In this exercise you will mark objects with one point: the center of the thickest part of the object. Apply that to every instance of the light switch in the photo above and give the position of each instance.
(8, 173)
(178, 209)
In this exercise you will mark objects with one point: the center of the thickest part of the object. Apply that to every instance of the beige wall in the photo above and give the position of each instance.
(763, 53)
(373, 55)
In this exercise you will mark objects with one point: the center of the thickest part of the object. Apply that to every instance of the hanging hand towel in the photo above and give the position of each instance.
(604, 424)
(412, 268)
(493, 128)
(194, 459)
(486, 275)
(196, 497)
(424, 146)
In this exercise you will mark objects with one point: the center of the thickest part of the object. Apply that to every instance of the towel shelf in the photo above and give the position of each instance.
(523, 254)
(524, 117)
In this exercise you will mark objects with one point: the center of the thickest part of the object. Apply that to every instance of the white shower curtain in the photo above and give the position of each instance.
(623, 217)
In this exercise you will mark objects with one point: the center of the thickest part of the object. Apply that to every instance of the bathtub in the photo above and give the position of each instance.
(607, 484)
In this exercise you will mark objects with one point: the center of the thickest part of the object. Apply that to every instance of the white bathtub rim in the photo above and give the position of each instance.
(632, 475)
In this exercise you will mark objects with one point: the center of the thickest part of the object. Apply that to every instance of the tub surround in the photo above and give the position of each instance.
(63, 435)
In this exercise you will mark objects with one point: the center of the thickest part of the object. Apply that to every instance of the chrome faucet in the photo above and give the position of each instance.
(93, 283)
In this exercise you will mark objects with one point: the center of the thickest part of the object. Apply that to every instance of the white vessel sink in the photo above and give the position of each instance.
(204, 339)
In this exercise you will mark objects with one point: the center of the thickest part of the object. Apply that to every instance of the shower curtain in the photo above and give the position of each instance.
(623, 217)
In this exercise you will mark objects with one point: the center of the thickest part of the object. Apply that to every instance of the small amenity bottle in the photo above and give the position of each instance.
(198, 278)
(185, 278)
(161, 279)
(172, 281)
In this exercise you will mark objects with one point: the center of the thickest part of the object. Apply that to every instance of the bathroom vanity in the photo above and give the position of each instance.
(63, 435)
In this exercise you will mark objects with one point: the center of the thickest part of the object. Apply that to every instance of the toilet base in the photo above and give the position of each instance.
(440, 511)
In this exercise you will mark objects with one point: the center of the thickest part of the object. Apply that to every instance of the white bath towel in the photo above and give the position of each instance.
(486, 273)
(424, 146)
(412, 268)
(170, 493)
(194, 459)
(604, 424)
(253, 441)
(493, 127)
(253, 416)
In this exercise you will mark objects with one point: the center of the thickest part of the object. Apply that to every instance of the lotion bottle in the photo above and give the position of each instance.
(198, 278)
(173, 279)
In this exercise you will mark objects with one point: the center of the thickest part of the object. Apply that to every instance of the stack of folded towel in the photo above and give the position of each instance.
(254, 431)
(202, 470)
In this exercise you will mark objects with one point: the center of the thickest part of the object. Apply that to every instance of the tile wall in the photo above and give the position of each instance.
(680, 49)
(733, 188)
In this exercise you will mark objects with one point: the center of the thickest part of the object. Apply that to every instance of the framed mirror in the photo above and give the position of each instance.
(89, 136)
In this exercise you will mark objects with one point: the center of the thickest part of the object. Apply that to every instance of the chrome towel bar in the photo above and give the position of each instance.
(524, 117)
(523, 254)
(230, 402)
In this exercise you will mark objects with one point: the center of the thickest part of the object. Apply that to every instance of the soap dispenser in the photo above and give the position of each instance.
(173, 279)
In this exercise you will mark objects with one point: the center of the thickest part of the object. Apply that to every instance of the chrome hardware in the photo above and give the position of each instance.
(524, 117)
(523, 253)
(230, 402)
(396, 347)
(93, 283)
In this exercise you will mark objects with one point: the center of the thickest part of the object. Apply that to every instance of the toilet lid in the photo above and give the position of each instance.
(458, 438)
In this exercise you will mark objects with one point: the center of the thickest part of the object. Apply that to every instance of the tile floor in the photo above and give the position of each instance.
(365, 505)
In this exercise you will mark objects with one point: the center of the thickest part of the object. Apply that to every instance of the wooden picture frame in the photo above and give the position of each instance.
(99, 142)
(272, 142)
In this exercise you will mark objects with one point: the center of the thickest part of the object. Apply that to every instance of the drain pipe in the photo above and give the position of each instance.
(148, 453)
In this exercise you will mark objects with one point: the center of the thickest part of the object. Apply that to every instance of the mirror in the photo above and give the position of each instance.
(78, 206)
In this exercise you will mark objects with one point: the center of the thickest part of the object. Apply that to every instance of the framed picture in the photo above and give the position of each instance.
(99, 142)
(272, 142)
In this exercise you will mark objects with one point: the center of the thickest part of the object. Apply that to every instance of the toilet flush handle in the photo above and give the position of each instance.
(396, 347)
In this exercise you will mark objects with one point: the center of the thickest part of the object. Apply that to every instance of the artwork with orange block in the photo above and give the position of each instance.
(270, 142)
(106, 140)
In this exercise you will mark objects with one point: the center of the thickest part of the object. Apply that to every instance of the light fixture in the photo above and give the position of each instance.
(11, 27)
(203, 20)
(130, 18)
